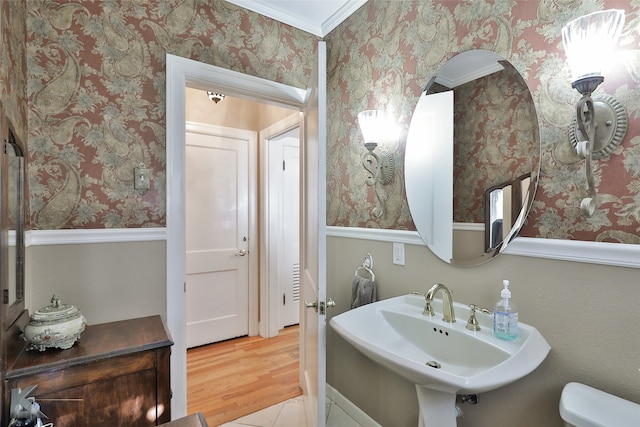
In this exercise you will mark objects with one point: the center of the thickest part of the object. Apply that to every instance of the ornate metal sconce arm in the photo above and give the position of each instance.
(370, 162)
(380, 167)
(379, 171)
(587, 126)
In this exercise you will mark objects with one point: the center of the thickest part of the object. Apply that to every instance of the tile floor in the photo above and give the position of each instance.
(291, 413)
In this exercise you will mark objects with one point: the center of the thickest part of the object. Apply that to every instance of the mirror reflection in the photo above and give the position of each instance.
(472, 158)
(14, 166)
(503, 203)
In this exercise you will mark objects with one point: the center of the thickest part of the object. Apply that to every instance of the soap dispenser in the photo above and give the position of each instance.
(505, 315)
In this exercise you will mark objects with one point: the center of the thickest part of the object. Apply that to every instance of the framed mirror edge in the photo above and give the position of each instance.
(13, 299)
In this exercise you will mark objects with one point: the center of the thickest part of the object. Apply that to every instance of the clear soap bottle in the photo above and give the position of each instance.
(505, 315)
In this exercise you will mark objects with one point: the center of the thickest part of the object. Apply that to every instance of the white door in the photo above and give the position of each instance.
(217, 227)
(434, 119)
(313, 255)
(289, 265)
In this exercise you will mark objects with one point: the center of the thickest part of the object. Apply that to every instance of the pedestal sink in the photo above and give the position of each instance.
(442, 359)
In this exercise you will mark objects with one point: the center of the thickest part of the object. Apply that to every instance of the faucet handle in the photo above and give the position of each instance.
(428, 310)
(472, 323)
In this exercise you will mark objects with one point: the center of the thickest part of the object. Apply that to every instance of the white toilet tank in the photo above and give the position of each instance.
(584, 406)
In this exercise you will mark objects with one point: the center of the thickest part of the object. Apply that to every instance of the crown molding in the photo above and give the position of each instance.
(309, 21)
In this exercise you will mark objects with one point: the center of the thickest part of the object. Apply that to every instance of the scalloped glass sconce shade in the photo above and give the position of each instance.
(372, 125)
(589, 42)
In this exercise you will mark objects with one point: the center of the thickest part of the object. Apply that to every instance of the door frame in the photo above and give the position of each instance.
(269, 298)
(180, 73)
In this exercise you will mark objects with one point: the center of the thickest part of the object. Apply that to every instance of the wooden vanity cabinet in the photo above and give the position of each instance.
(117, 374)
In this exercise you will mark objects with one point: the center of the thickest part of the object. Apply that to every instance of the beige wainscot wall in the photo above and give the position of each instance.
(588, 313)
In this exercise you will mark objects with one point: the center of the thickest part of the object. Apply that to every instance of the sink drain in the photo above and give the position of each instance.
(433, 364)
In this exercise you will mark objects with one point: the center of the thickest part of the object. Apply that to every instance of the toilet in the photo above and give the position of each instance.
(584, 406)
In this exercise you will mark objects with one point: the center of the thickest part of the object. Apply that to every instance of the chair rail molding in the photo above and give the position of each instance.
(603, 253)
(81, 236)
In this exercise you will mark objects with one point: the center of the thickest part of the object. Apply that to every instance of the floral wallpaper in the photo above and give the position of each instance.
(96, 91)
(385, 53)
(95, 99)
(13, 64)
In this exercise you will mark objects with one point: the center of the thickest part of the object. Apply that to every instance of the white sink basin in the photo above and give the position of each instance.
(442, 359)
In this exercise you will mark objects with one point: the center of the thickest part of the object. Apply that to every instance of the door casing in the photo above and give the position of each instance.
(269, 296)
(180, 73)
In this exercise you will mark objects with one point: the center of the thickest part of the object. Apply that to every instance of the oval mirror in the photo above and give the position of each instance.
(472, 158)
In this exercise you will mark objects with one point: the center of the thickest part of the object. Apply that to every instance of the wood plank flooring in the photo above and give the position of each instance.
(234, 378)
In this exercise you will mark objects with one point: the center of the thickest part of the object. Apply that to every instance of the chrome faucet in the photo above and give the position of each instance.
(447, 303)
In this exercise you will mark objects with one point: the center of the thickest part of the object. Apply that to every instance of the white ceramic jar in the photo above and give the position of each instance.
(54, 326)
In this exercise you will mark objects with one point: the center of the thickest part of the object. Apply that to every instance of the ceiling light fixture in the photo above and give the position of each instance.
(215, 97)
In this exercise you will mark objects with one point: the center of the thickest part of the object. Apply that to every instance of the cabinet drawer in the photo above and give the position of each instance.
(75, 376)
(128, 400)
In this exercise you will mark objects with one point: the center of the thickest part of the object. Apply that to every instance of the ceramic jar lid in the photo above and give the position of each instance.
(55, 313)
(56, 325)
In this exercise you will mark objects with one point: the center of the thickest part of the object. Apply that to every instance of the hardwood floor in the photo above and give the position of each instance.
(230, 379)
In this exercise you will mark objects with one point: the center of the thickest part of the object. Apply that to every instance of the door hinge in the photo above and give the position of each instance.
(5, 296)
(284, 299)
(185, 287)
(283, 165)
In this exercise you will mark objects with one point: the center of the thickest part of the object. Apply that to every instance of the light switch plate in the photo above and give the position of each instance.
(141, 178)
(398, 253)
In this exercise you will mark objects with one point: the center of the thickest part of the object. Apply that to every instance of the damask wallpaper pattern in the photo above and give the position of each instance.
(385, 53)
(96, 100)
(13, 64)
(96, 87)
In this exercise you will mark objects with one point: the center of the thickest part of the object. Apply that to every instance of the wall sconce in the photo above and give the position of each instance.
(601, 122)
(380, 167)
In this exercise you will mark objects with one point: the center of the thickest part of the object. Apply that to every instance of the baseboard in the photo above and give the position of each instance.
(352, 410)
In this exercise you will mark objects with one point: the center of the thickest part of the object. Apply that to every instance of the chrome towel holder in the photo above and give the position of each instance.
(367, 266)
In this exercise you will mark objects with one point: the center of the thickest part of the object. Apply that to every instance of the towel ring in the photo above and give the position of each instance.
(368, 270)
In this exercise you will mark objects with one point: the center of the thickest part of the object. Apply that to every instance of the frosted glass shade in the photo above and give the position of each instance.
(372, 125)
(589, 42)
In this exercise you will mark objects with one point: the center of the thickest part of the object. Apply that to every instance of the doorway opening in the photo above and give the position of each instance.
(242, 176)
(242, 250)
(181, 74)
